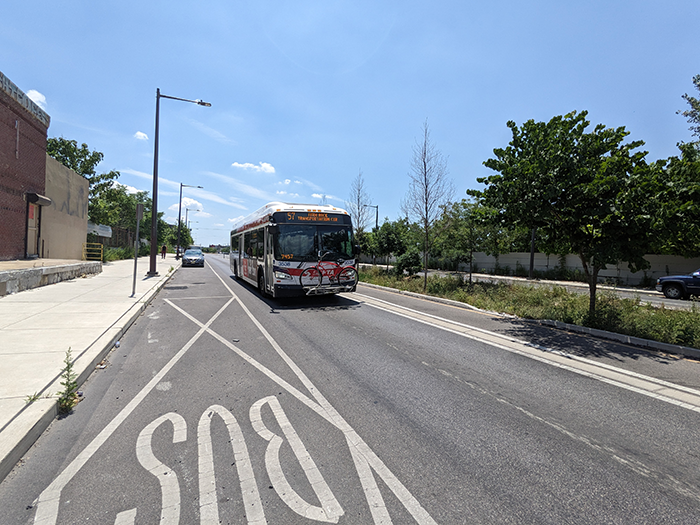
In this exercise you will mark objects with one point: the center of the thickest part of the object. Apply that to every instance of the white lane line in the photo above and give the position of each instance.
(208, 503)
(330, 510)
(622, 371)
(169, 484)
(362, 454)
(659, 389)
(48, 502)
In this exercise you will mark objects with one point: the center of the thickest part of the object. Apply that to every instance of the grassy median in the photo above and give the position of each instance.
(623, 316)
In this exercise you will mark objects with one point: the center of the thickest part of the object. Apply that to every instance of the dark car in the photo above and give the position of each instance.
(679, 286)
(193, 258)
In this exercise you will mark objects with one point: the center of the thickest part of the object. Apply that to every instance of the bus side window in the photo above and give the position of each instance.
(247, 245)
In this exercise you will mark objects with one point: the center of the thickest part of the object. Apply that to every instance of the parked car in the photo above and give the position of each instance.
(193, 258)
(679, 286)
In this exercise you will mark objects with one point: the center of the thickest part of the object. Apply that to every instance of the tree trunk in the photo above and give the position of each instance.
(592, 284)
(425, 271)
(592, 276)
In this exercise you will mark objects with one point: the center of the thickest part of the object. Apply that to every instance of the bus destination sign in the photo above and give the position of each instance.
(311, 217)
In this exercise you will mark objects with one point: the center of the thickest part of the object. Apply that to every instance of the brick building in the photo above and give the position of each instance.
(23, 132)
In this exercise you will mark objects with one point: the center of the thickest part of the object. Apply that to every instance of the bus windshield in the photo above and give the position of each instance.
(302, 242)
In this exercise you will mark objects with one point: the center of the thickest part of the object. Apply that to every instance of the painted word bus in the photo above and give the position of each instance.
(289, 250)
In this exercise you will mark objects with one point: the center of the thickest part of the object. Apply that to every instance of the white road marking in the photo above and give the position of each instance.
(659, 389)
(330, 510)
(361, 452)
(208, 504)
(169, 485)
(47, 504)
(128, 517)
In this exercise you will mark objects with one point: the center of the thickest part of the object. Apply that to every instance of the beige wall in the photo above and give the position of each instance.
(660, 265)
(64, 223)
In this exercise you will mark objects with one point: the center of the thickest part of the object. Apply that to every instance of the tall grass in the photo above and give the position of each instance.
(117, 254)
(614, 314)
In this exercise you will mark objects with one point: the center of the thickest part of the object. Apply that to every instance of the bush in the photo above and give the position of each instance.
(117, 254)
(409, 263)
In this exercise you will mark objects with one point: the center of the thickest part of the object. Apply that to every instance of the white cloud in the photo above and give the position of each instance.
(242, 188)
(140, 135)
(262, 167)
(235, 219)
(37, 98)
(219, 225)
(135, 173)
(211, 132)
(129, 189)
(281, 192)
(187, 202)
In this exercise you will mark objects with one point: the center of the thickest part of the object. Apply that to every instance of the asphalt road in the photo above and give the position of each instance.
(371, 407)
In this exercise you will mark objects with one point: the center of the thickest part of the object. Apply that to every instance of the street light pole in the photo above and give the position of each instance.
(154, 197)
(179, 217)
(186, 213)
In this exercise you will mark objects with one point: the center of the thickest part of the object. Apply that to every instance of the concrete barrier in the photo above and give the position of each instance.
(13, 281)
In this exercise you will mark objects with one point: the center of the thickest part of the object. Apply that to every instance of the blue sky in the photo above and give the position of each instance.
(306, 94)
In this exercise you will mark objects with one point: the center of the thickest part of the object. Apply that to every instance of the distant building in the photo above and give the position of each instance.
(43, 213)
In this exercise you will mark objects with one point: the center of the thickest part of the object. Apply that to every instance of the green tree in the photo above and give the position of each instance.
(84, 162)
(676, 185)
(582, 190)
(693, 114)
(465, 230)
(391, 239)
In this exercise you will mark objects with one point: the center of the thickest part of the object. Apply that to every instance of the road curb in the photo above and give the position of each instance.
(36, 417)
(601, 334)
(621, 338)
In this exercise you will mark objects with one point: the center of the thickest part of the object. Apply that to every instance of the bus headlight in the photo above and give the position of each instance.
(282, 276)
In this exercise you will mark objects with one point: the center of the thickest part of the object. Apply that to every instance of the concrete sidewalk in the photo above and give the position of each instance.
(37, 327)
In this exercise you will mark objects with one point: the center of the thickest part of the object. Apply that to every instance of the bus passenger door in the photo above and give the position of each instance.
(268, 258)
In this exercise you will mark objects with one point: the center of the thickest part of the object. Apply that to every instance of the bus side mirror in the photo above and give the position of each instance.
(274, 229)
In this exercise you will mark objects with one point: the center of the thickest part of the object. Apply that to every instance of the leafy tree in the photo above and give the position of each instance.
(84, 162)
(364, 240)
(465, 230)
(391, 239)
(582, 190)
(693, 114)
(676, 185)
(429, 189)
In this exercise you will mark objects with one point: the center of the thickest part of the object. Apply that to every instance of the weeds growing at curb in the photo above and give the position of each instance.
(67, 398)
(31, 398)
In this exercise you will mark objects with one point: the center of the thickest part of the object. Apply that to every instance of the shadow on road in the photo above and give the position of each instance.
(303, 303)
(579, 344)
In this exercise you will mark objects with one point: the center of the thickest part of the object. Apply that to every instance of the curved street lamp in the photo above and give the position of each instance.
(154, 210)
(186, 212)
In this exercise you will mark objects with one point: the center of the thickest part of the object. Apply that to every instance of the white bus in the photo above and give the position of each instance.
(288, 250)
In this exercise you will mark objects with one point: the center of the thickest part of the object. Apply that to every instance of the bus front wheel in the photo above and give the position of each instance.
(261, 283)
